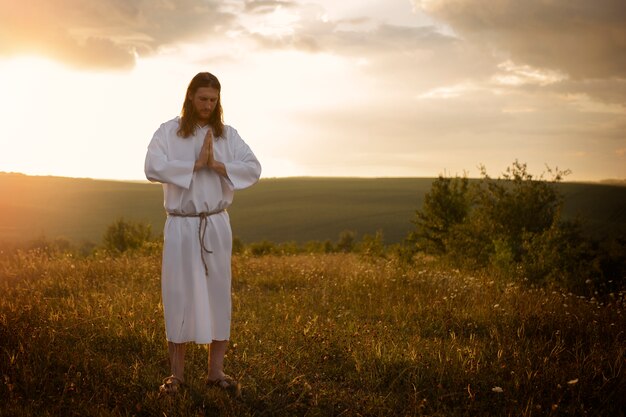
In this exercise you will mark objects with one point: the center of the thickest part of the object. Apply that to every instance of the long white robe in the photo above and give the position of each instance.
(197, 307)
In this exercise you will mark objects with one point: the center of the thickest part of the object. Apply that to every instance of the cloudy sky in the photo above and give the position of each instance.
(373, 88)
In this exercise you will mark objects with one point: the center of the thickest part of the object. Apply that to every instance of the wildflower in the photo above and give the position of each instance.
(497, 390)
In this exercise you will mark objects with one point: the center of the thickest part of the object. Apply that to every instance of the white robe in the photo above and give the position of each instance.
(197, 307)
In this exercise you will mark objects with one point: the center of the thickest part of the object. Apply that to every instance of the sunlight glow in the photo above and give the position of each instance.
(76, 123)
(516, 75)
(319, 87)
(277, 23)
(453, 91)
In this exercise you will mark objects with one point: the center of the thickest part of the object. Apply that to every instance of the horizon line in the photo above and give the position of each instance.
(605, 181)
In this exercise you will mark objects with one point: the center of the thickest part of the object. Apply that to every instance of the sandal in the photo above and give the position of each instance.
(170, 385)
(226, 382)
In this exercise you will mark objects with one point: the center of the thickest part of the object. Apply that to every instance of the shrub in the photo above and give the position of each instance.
(238, 246)
(289, 248)
(563, 256)
(514, 205)
(264, 247)
(513, 226)
(124, 235)
(446, 205)
(316, 246)
(346, 242)
(372, 246)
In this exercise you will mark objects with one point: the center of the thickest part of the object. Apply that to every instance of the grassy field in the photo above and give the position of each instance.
(278, 210)
(313, 335)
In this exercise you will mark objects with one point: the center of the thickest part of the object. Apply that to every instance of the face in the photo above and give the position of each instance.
(204, 102)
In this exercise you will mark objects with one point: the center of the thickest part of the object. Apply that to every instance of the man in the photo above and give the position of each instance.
(200, 162)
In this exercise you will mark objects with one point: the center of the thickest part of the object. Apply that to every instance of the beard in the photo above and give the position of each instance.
(202, 116)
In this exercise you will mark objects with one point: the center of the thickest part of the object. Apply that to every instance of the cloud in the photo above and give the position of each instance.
(406, 57)
(96, 34)
(266, 6)
(585, 39)
(460, 132)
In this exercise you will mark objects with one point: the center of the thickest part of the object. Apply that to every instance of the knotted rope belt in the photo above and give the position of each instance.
(204, 216)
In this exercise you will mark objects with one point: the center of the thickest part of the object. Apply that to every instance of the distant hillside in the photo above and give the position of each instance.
(278, 210)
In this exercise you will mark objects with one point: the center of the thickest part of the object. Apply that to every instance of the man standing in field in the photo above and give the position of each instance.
(200, 162)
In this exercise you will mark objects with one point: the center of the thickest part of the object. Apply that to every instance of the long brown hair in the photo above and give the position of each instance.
(188, 116)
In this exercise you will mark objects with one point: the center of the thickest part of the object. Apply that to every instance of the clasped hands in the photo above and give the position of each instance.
(206, 159)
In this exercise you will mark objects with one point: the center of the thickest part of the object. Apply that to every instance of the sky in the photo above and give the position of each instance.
(360, 88)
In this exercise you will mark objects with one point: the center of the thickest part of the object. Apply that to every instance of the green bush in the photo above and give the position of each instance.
(238, 246)
(316, 246)
(513, 226)
(372, 246)
(289, 248)
(561, 255)
(124, 235)
(262, 248)
(514, 205)
(446, 205)
(346, 242)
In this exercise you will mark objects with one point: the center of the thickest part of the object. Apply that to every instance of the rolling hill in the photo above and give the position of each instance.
(279, 210)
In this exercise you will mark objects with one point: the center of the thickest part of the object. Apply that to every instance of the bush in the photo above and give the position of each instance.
(262, 248)
(446, 205)
(515, 205)
(289, 248)
(238, 246)
(124, 235)
(346, 242)
(513, 226)
(316, 246)
(372, 246)
(561, 255)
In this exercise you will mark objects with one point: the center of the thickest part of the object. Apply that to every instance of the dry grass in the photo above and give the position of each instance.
(312, 335)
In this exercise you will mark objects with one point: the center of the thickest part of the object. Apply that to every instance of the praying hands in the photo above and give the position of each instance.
(206, 159)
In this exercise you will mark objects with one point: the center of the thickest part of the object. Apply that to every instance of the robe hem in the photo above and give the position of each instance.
(200, 342)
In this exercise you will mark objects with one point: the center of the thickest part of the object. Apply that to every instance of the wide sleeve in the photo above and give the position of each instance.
(244, 169)
(159, 168)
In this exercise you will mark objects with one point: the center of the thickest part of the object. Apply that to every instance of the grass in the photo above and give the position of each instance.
(314, 335)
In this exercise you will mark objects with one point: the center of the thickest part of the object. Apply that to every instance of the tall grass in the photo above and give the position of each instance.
(315, 335)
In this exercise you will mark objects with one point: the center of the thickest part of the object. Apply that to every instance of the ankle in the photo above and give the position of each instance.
(180, 378)
(216, 374)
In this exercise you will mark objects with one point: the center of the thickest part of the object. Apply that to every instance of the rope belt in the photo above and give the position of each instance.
(204, 216)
